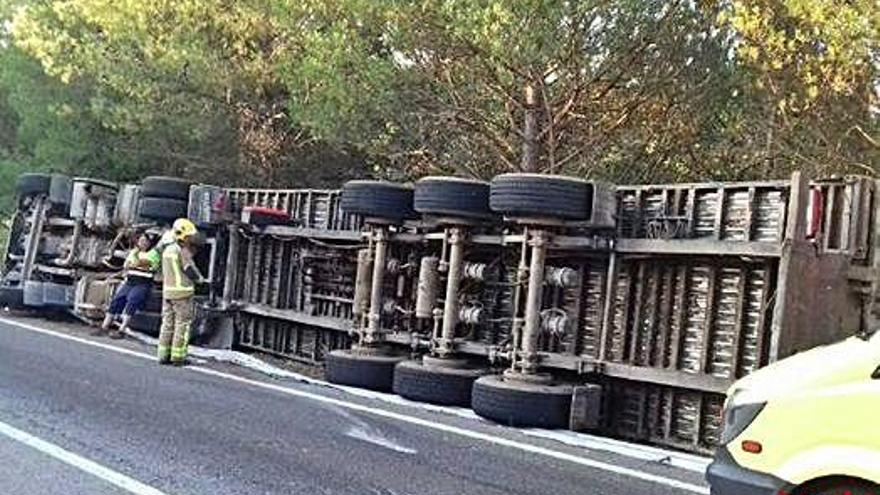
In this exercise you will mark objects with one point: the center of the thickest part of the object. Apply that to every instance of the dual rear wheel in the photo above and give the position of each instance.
(437, 381)
(503, 399)
(164, 199)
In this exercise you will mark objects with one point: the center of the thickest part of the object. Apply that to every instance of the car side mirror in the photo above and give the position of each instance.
(876, 374)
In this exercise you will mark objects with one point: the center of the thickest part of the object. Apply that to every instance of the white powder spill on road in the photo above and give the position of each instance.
(646, 453)
(681, 460)
(361, 430)
(370, 437)
(432, 424)
(255, 364)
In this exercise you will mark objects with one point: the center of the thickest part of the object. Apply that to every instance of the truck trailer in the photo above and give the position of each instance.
(537, 300)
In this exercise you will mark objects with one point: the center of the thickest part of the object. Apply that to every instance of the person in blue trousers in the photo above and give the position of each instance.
(140, 267)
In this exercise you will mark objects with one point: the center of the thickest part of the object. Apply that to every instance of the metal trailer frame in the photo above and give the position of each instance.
(698, 285)
(695, 286)
(62, 240)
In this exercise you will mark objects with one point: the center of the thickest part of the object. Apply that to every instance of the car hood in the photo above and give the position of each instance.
(850, 360)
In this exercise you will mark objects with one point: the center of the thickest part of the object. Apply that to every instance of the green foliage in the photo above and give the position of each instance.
(53, 124)
(441, 84)
(9, 170)
(802, 50)
(812, 90)
(285, 93)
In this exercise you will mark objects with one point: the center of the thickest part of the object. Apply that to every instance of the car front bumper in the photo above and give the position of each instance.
(726, 477)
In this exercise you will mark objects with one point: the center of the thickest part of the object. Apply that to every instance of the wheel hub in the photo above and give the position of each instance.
(532, 378)
(440, 362)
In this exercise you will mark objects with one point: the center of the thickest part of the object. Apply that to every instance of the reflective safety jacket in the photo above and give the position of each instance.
(140, 265)
(166, 240)
(176, 284)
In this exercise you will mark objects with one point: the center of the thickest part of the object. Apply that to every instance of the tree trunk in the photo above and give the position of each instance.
(531, 129)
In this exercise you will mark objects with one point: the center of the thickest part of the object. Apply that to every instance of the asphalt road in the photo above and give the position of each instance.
(217, 429)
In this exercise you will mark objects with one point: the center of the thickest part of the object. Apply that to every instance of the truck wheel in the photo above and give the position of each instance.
(541, 196)
(146, 322)
(516, 403)
(11, 297)
(442, 385)
(33, 184)
(453, 197)
(162, 209)
(378, 199)
(374, 372)
(60, 189)
(165, 187)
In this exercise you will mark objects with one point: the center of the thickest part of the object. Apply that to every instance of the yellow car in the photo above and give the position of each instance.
(806, 425)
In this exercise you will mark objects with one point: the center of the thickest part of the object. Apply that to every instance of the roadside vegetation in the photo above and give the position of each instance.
(310, 93)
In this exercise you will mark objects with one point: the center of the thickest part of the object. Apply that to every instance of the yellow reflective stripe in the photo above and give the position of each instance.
(153, 257)
(171, 256)
(132, 257)
(177, 294)
(135, 256)
(178, 276)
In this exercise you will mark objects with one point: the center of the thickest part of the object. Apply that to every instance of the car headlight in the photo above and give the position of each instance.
(738, 417)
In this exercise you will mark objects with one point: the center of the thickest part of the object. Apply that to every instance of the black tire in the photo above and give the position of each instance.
(374, 372)
(378, 199)
(146, 322)
(442, 385)
(165, 187)
(60, 189)
(541, 196)
(516, 403)
(11, 297)
(33, 184)
(162, 209)
(452, 197)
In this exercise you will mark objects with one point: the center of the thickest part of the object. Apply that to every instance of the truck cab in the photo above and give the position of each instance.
(805, 425)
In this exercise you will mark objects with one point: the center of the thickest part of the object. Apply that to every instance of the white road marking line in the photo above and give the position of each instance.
(81, 340)
(533, 449)
(689, 462)
(639, 452)
(120, 480)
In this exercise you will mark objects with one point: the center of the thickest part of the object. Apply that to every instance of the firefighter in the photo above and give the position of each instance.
(179, 278)
(168, 237)
(140, 265)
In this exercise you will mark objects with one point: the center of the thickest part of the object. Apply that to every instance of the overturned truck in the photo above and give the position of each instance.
(537, 300)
